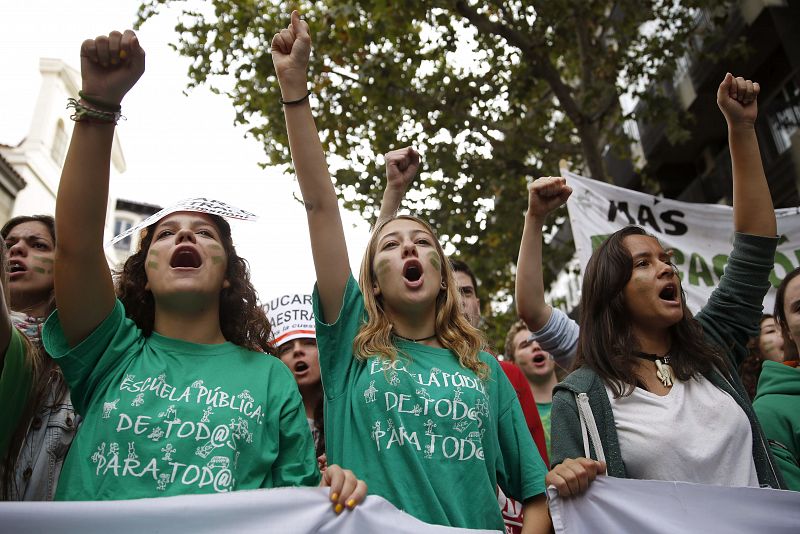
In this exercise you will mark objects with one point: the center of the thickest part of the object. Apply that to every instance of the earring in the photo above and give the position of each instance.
(444, 285)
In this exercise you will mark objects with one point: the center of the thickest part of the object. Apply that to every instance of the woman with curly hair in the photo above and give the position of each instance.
(410, 398)
(172, 379)
(39, 421)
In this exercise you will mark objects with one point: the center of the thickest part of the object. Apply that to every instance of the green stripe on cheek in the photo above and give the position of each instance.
(217, 259)
(152, 264)
(153, 252)
(433, 257)
(39, 270)
(382, 266)
(44, 259)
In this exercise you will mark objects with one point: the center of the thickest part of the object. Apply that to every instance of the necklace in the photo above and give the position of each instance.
(663, 370)
(432, 336)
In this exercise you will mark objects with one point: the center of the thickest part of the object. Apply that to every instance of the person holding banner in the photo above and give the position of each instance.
(177, 393)
(777, 400)
(409, 395)
(655, 388)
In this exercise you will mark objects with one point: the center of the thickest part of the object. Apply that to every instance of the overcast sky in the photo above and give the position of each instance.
(175, 146)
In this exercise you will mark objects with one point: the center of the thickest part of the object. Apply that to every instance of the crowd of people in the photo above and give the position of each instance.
(170, 378)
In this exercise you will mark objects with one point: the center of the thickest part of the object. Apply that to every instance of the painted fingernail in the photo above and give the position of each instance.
(334, 497)
(123, 54)
(351, 503)
(338, 508)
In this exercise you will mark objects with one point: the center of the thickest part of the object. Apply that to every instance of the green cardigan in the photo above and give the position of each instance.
(729, 320)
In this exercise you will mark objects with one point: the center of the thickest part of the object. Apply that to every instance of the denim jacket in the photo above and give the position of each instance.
(42, 455)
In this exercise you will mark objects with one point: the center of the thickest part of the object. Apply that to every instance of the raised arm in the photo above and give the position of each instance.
(401, 167)
(110, 66)
(753, 212)
(544, 195)
(291, 49)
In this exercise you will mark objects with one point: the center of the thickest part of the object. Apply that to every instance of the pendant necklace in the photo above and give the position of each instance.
(663, 370)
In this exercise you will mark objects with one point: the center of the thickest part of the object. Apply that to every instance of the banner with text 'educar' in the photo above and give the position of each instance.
(699, 235)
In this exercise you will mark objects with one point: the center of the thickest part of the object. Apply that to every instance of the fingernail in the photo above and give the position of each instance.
(123, 54)
(338, 508)
(351, 503)
(334, 497)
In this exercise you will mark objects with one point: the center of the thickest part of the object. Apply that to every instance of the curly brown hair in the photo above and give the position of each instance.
(241, 317)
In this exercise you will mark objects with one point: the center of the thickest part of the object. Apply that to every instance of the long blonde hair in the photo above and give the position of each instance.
(453, 331)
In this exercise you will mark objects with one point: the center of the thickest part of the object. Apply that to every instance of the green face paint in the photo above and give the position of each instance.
(153, 252)
(214, 246)
(382, 266)
(217, 259)
(44, 259)
(39, 270)
(433, 257)
(152, 264)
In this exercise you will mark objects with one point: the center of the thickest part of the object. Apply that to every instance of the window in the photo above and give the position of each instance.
(59, 149)
(120, 225)
(783, 116)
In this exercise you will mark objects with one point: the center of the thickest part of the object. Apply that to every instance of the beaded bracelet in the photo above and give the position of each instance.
(294, 102)
(84, 113)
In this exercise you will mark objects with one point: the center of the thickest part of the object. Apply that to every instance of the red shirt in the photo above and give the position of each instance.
(523, 389)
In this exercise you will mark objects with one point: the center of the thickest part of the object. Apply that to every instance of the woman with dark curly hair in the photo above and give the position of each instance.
(39, 421)
(172, 379)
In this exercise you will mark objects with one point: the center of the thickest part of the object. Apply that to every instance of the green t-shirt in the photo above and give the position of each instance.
(167, 417)
(424, 432)
(15, 386)
(544, 414)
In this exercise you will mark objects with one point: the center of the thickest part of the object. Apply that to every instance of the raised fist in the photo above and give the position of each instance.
(110, 65)
(401, 167)
(737, 98)
(291, 48)
(546, 194)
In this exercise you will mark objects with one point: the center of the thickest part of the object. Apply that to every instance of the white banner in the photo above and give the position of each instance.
(659, 507)
(283, 510)
(700, 235)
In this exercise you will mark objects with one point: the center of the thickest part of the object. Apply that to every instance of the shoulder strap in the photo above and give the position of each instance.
(589, 427)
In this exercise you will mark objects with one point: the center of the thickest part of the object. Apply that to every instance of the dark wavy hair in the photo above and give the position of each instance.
(241, 317)
(780, 313)
(750, 368)
(606, 343)
(46, 374)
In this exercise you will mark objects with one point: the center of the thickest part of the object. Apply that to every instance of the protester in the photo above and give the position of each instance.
(295, 340)
(777, 401)
(38, 421)
(767, 345)
(172, 379)
(658, 383)
(398, 357)
(538, 367)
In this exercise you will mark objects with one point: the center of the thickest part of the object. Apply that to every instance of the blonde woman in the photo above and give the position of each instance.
(429, 420)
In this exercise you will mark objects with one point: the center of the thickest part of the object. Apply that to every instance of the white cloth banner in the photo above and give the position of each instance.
(283, 510)
(700, 235)
(658, 507)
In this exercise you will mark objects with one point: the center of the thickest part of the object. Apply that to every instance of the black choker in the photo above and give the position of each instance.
(663, 370)
(415, 340)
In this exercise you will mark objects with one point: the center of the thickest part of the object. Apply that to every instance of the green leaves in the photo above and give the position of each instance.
(492, 93)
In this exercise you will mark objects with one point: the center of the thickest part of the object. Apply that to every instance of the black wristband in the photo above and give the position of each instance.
(103, 105)
(293, 102)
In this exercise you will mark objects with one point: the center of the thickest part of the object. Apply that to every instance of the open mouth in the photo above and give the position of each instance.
(16, 267)
(669, 293)
(185, 257)
(300, 367)
(539, 358)
(412, 271)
